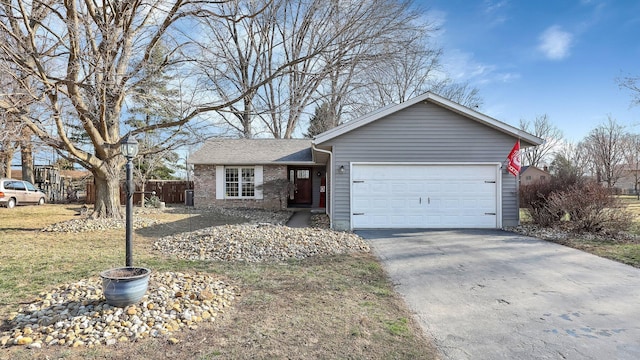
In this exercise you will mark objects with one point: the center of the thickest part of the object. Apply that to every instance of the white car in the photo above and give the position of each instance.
(18, 192)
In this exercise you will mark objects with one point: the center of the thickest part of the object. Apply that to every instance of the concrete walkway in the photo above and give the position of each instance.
(488, 294)
(300, 219)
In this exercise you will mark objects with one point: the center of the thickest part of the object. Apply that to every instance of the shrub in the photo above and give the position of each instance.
(590, 208)
(535, 198)
(152, 202)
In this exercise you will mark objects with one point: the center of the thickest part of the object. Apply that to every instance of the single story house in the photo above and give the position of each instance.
(532, 174)
(425, 163)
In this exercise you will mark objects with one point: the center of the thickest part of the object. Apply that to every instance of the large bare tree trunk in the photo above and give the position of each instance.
(3, 165)
(107, 192)
(26, 154)
(7, 158)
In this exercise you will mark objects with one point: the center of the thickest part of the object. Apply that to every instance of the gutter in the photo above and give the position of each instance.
(329, 208)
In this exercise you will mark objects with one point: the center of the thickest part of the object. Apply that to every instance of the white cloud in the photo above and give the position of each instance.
(493, 6)
(495, 11)
(461, 66)
(555, 43)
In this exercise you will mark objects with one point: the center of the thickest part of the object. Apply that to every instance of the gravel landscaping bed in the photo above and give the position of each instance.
(558, 234)
(255, 243)
(77, 315)
(85, 223)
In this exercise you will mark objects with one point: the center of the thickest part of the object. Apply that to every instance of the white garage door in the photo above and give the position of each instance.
(424, 196)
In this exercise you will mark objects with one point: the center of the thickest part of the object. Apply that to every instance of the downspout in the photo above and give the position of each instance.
(329, 208)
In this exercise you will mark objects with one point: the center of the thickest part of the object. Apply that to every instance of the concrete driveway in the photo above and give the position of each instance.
(488, 294)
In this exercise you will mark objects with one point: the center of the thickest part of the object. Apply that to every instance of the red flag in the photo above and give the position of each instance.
(514, 160)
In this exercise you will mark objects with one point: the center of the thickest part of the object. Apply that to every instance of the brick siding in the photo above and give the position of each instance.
(274, 195)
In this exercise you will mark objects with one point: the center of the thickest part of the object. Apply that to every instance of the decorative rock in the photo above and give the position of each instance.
(35, 345)
(98, 323)
(132, 310)
(24, 340)
(257, 243)
(173, 341)
(87, 224)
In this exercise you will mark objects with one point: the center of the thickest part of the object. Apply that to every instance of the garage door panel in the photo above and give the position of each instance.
(424, 196)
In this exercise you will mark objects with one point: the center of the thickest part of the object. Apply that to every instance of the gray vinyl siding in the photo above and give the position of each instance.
(421, 133)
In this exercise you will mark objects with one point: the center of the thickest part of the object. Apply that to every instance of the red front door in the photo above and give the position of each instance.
(300, 178)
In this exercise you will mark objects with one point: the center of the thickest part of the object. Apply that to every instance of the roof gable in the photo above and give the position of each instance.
(533, 169)
(253, 152)
(526, 138)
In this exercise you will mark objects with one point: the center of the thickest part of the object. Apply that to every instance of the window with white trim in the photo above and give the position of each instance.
(239, 182)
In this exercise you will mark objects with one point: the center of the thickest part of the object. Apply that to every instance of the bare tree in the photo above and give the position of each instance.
(356, 36)
(571, 163)
(462, 93)
(408, 72)
(405, 74)
(605, 145)
(323, 43)
(76, 63)
(242, 44)
(544, 129)
(10, 132)
(631, 83)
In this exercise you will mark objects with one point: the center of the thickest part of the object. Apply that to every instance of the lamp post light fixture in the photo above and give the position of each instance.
(129, 148)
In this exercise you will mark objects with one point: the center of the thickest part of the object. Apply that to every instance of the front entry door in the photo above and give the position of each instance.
(300, 179)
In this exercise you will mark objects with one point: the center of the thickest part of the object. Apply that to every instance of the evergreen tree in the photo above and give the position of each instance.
(322, 120)
(154, 103)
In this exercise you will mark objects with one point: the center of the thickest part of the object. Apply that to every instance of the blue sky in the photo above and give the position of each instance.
(529, 58)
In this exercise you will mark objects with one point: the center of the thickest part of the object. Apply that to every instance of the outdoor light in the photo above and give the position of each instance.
(341, 170)
(129, 148)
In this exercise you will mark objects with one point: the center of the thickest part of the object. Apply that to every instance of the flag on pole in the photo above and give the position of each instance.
(514, 160)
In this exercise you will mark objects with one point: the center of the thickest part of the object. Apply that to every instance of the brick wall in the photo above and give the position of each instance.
(274, 195)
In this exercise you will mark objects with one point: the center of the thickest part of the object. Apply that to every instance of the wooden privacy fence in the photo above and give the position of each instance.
(169, 191)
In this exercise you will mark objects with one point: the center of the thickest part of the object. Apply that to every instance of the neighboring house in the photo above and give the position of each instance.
(627, 184)
(532, 174)
(424, 163)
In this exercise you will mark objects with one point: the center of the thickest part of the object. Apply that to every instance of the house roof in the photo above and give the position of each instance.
(526, 138)
(525, 168)
(253, 151)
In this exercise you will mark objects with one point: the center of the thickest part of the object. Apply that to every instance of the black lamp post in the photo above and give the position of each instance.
(129, 148)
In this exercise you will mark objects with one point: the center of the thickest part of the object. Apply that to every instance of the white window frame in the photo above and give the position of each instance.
(221, 182)
(241, 182)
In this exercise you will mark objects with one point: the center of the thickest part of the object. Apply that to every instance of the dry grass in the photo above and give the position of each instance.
(319, 308)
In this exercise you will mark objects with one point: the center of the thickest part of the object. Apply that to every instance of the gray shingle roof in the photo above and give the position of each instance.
(253, 151)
